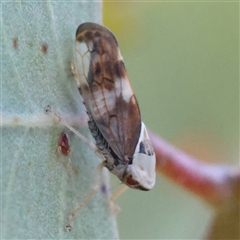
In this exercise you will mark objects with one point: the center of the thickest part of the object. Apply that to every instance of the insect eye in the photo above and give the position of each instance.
(135, 184)
(131, 181)
(145, 147)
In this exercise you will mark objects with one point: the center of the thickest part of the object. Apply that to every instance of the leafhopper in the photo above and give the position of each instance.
(112, 107)
(121, 138)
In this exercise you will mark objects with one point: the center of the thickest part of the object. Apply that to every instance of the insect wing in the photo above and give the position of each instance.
(106, 90)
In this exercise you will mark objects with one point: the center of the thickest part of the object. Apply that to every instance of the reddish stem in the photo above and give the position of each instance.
(213, 183)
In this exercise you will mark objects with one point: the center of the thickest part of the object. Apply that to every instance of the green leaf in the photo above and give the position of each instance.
(41, 187)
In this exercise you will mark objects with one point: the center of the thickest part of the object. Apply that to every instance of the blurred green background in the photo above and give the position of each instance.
(183, 62)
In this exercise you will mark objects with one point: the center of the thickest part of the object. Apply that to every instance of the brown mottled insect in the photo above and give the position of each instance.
(112, 107)
(122, 141)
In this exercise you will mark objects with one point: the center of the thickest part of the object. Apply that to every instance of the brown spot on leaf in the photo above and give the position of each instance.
(15, 43)
(44, 48)
(63, 144)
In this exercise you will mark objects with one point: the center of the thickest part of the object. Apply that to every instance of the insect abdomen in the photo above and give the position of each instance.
(110, 156)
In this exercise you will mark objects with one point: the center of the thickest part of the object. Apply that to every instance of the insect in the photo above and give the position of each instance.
(122, 141)
(112, 107)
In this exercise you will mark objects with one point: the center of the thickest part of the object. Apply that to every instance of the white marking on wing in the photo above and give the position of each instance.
(99, 110)
(81, 47)
(82, 57)
(86, 62)
(120, 57)
(122, 87)
(105, 97)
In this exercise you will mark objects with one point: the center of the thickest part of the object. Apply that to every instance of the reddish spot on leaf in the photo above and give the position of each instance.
(44, 48)
(63, 144)
(15, 43)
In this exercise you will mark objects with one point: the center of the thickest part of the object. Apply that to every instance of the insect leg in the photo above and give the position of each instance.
(92, 146)
(118, 193)
(69, 224)
(115, 208)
